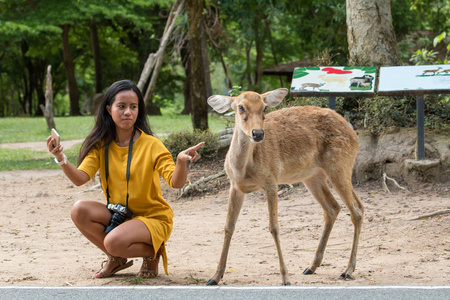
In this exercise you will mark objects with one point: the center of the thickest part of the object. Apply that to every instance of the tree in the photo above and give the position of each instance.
(155, 60)
(370, 34)
(47, 109)
(95, 44)
(194, 10)
(74, 92)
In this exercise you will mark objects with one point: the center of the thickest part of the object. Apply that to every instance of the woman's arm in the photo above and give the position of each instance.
(78, 177)
(179, 175)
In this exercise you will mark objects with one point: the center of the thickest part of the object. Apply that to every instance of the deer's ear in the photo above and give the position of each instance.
(220, 103)
(273, 98)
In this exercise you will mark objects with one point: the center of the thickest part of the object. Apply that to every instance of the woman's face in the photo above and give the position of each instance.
(124, 110)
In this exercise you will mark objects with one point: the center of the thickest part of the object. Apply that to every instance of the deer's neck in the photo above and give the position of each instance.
(241, 150)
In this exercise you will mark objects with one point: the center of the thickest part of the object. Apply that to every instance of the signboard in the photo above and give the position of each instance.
(333, 81)
(430, 79)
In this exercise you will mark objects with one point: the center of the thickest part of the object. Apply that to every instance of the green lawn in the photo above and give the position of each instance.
(16, 130)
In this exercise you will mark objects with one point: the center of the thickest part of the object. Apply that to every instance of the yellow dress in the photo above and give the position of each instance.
(150, 159)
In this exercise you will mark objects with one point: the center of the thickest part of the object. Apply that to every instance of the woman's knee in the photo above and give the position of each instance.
(88, 211)
(114, 244)
(79, 211)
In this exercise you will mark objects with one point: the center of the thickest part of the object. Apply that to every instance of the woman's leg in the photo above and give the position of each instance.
(133, 239)
(130, 239)
(91, 218)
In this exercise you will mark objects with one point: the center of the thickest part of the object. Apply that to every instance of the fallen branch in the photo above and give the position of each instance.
(94, 187)
(285, 189)
(436, 213)
(195, 187)
(385, 185)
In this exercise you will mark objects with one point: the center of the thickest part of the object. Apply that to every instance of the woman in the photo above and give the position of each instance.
(121, 126)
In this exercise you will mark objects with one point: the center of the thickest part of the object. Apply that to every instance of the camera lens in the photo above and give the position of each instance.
(116, 220)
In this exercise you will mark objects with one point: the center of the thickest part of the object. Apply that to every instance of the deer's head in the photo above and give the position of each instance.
(250, 109)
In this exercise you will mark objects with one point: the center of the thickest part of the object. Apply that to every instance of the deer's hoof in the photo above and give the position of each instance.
(346, 276)
(211, 282)
(286, 284)
(308, 272)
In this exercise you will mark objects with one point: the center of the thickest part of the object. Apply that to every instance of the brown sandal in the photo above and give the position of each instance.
(122, 265)
(145, 270)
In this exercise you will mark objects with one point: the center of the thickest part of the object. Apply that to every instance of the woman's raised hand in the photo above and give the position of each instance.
(190, 154)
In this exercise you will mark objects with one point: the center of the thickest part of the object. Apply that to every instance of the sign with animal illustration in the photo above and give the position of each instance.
(336, 81)
(429, 79)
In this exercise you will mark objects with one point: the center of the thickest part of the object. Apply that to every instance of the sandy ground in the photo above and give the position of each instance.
(40, 245)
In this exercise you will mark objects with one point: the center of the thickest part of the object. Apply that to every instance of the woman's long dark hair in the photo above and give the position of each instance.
(104, 130)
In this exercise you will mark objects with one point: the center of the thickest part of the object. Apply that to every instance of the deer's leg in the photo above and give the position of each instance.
(343, 186)
(236, 198)
(318, 187)
(272, 200)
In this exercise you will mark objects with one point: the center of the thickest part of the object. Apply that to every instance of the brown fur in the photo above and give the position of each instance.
(307, 144)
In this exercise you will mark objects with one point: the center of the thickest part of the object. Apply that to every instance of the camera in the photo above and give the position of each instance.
(119, 214)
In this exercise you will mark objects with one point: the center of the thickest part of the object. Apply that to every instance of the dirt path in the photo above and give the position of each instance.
(41, 247)
(38, 146)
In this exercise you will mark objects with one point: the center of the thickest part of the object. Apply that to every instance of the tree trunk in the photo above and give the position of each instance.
(38, 88)
(370, 34)
(95, 44)
(259, 44)
(185, 56)
(74, 93)
(272, 46)
(194, 10)
(155, 60)
(206, 63)
(27, 78)
(248, 69)
(48, 108)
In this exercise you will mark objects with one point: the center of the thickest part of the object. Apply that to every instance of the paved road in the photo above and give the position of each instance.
(228, 293)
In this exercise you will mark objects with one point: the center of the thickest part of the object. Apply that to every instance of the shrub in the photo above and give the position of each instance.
(380, 112)
(179, 141)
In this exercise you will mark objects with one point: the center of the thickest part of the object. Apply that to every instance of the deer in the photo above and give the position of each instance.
(431, 71)
(313, 85)
(298, 144)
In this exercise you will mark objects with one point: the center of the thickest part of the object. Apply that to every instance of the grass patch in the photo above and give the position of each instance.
(26, 159)
(16, 130)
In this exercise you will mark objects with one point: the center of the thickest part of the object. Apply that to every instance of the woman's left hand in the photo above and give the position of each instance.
(190, 154)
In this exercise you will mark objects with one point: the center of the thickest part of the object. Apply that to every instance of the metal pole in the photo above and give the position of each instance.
(420, 128)
(332, 103)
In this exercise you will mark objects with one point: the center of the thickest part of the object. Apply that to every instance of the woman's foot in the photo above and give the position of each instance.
(111, 266)
(149, 268)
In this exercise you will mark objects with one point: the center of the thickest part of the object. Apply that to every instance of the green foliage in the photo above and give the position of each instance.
(235, 91)
(438, 39)
(381, 112)
(30, 39)
(432, 15)
(424, 57)
(195, 279)
(179, 141)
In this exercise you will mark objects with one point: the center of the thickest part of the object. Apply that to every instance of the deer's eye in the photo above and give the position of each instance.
(241, 109)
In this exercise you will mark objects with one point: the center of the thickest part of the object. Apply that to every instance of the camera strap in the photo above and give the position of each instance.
(130, 149)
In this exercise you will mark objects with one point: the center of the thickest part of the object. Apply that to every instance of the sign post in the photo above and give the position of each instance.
(333, 82)
(418, 81)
